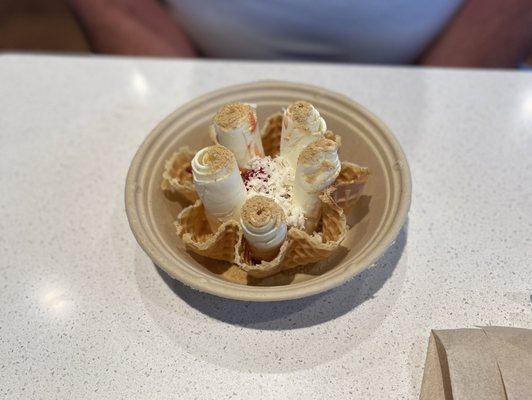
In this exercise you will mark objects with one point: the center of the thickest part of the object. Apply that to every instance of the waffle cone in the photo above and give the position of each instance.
(271, 134)
(193, 228)
(177, 177)
(349, 185)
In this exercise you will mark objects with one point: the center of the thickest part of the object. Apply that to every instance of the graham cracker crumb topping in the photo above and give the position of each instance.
(233, 115)
(259, 210)
(217, 157)
(300, 111)
(311, 153)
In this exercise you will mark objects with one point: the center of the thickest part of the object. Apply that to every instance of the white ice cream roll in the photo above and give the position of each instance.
(317, 168)
(218, 184)
(264, 225)
(236, 128)
(302, 125)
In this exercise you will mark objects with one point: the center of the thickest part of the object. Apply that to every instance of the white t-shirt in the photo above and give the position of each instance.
(368, 31)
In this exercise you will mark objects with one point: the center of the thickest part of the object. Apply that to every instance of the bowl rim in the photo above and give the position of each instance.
(286, 292)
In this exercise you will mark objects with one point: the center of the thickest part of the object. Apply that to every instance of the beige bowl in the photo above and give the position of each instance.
(376, 220)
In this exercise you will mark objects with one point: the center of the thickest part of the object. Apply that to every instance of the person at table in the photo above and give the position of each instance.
(468, 33)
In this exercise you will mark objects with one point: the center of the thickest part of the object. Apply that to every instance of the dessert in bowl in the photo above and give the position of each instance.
(242, 193)
(265, 212)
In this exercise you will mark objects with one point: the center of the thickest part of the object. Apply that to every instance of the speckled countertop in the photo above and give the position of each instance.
(85, 314)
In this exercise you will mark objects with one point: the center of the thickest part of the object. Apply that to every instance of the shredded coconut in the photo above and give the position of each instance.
(274, 178)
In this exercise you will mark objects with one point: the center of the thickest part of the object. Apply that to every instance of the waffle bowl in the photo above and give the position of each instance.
(227, 243)
(152, 211)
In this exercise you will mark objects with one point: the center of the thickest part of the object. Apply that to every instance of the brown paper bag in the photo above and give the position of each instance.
(489, 363)
(513, 349)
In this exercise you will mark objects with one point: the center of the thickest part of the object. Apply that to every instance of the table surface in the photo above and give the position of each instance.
(85, 314)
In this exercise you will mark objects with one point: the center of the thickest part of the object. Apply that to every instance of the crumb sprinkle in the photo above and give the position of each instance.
(231, 116)
(300, 111)
(311, 154)
(217, 157)
(259, 210)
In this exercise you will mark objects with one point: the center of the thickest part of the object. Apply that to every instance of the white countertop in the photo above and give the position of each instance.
(85, 314)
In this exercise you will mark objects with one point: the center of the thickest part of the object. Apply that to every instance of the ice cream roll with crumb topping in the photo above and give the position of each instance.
(235, 127)
(264, 225)
(218, 183)
(317, 168)
(302, 125)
